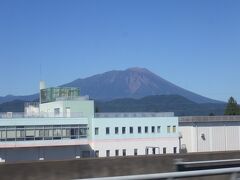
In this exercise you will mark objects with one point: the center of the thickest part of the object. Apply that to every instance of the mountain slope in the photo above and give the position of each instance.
(133, 83)
(161, 103)
(10, 98)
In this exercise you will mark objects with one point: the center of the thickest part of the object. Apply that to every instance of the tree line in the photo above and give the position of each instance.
(232, 107)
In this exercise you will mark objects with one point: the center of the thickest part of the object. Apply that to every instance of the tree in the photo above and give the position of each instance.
(211, 114)
(232, 107)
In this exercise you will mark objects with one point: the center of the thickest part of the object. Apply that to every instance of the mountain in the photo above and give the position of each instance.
(157, 103)
(132, 83)
(10, 98)
(12, 106)
(161, 103)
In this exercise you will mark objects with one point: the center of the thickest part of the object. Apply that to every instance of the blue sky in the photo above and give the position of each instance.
(194, 44)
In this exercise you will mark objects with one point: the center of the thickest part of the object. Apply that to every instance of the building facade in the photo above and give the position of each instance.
(63, 126)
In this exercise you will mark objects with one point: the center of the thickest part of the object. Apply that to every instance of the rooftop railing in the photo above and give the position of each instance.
(134, 114)
(12, 115)
(204, 119)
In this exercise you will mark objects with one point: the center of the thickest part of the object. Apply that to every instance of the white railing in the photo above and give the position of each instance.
(134, 114)
(11, 115)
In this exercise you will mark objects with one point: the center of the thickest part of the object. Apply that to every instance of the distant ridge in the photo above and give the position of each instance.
(130, 83)
(161, 103)
(157, 103)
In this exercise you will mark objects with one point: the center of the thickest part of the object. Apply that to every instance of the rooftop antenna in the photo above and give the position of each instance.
(42, 84)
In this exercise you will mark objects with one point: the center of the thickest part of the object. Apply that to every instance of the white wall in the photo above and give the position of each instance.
(215, 136)
(131, 144)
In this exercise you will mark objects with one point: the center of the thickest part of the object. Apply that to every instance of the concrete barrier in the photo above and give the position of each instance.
(104, 167)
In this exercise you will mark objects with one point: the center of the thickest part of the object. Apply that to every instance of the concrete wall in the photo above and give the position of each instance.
(103, 167)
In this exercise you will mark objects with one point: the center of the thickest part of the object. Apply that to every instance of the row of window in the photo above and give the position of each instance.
(22, 133)
(153, 129)
(135, 151)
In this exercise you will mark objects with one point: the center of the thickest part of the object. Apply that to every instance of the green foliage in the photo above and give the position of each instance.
(232, 107)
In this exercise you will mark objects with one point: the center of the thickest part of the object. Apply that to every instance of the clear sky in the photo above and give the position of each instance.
(192, 43)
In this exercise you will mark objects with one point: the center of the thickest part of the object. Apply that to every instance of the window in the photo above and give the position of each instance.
(153, 150)
(153, 129)
(131, 130)
(107, 153)
(96, 153)
(135, 152)
(11, 135)
(116, 130)
(124, 152)
(146, 151)
(174, 150)
(159, 129)
(164, 150)
(96, 131)
(116, 152)
(174, 129)
(168, 129)
(146, 129)
(123, 130)
(56, 111)
(139, 130)
(107, 130)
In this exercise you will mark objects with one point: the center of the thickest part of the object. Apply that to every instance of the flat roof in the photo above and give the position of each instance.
(205, 119)
(133, 114)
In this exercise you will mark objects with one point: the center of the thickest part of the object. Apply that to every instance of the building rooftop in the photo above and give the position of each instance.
(204, 119)
(134, 114)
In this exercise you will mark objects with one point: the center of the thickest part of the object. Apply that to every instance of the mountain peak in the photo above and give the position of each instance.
(137, 69)
(134, 82)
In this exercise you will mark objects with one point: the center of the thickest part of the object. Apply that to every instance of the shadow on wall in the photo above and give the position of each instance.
(46, 153)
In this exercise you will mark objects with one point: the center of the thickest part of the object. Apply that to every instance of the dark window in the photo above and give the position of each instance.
(96, 131)
(116, 130)
(135, 152)
(131, 130)
(159, 129)
(124, 152)
(116, 152)
(107, 130)
(154, 150)
(107, 153)
(174, 150)
(139, 130)
(153, 129)
(97, 153)
(146, 129)
(164, 150)
(123, 130)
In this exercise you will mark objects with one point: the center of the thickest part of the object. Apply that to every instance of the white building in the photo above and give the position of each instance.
(210, 133)
(64, 126)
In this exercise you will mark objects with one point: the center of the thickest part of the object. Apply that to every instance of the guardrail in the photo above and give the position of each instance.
(206, 165)
(233, 172)
(11, 115)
